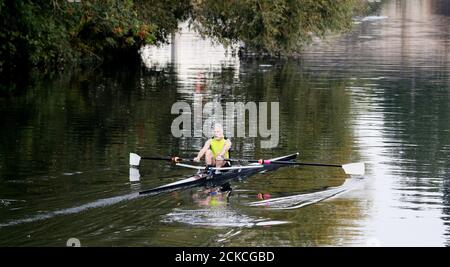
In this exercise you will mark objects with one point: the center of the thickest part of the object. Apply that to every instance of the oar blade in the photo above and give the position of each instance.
(134, 175)
(354, 168)
(134, 159)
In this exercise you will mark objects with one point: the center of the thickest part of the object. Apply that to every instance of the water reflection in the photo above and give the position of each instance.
(403, 126)
(216, 211)
(305, 199)
(217, 217)
(196, 61)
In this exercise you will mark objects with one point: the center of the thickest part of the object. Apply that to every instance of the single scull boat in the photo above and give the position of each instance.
(216, 177)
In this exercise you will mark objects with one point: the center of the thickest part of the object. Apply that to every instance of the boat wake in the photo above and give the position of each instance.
(374, 18)
(216, 217)
(96, 204)
(359, 20)
(302, 200)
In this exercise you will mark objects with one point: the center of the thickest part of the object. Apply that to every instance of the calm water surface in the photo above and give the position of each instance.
(379, 94)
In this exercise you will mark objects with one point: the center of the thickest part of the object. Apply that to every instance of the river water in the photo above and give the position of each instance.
(379, 94)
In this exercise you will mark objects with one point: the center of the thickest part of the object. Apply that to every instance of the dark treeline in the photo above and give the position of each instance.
(52, 34)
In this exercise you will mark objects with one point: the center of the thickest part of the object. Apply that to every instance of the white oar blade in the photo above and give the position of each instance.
(134, 175)
(354, 168)
(134, 159)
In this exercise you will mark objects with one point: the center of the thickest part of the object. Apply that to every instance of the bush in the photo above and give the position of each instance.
(51, 33)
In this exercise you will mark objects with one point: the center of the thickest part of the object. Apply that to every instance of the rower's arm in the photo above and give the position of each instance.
(226, 147)
(204, 149)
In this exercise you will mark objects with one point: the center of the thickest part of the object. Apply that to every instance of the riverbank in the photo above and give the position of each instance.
(52, 36)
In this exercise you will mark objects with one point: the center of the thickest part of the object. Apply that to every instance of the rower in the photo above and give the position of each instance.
(216, 149)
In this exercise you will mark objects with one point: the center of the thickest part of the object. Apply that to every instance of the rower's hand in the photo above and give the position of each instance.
(197, 159)
(219, 157)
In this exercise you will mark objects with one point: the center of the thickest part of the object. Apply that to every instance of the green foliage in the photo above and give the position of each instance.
(99, 26)
(165, 15)
(275, 27)
(50, 33)
(27, 35)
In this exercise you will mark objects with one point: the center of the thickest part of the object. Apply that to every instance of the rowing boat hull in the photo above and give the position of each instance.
(216, 179)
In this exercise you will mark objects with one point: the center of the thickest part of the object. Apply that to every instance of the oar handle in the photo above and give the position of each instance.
(157, 158)
(243, 160)
(173, 159)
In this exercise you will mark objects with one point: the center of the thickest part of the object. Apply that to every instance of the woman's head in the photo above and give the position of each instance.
(218, 131)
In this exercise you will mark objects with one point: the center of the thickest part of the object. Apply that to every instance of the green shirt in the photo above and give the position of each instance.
(217, 147)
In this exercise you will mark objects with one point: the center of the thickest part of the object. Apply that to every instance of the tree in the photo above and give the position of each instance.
(51, 33)
(274, 27)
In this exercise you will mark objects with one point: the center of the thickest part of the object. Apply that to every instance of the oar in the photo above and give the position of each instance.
(221, 168)
(351, 168)
(135, 159)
